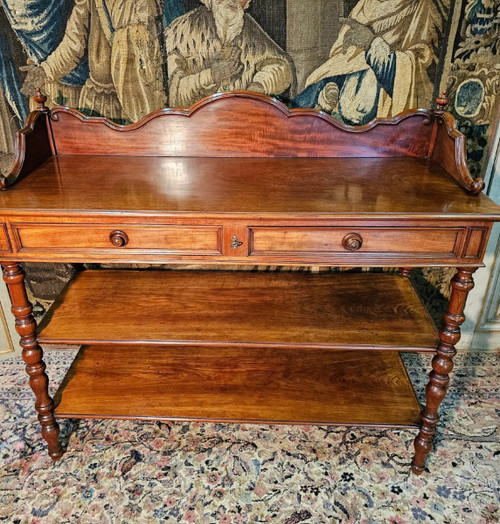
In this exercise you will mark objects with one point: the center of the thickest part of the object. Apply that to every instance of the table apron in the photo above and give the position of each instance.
(244, 241)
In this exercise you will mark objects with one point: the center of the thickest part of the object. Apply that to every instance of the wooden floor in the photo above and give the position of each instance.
(342, 311)
(239, 384)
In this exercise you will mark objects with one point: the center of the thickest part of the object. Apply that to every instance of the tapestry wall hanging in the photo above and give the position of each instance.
(355, 59)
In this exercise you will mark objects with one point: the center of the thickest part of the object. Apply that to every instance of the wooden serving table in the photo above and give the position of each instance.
(240, 180)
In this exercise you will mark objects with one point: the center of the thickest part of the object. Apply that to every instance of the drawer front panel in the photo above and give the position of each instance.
(396, 241)
(4, 240)
(186, 240)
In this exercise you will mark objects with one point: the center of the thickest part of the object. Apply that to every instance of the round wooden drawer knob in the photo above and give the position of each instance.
(352, 242)
(118, 238)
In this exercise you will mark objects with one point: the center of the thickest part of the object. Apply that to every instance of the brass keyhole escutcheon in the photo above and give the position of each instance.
(236, 243)
(352, 242)
(118, 238)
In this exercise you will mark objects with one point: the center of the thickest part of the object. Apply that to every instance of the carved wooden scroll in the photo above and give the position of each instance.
(448, 148)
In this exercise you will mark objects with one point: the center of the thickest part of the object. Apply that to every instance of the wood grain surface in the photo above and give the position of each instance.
(241, 124)
(237, 384)
(407, 240)
(85, 237)
(357, 311)
(259, 186)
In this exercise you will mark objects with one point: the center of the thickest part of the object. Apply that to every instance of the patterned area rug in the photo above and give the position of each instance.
(148, 472)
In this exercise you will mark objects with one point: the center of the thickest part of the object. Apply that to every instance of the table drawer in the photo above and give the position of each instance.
(396, 241)
(185, 240)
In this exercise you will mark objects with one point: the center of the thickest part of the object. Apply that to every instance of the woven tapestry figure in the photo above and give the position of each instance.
(125, 79)
(218, 47)
(379, 64)
(355, 59)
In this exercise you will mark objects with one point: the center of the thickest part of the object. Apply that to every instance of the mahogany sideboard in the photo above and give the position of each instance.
(239, 179)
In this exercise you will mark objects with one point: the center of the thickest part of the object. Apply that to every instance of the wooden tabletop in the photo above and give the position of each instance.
(371, 187)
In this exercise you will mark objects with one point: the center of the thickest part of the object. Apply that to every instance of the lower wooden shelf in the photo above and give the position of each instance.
(234, 384)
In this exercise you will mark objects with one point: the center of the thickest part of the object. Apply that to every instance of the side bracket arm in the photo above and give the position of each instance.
(449, 151)
(33, 144)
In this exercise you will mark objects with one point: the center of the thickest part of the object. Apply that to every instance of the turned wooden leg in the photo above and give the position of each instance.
(405, 271)
(442, 364)
(13, 276)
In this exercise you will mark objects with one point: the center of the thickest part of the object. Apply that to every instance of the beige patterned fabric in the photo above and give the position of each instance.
(7, 126)
(124, 57)
(410, 29)
(194, 43)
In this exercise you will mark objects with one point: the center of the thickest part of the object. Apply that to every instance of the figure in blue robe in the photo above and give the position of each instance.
(378, 66)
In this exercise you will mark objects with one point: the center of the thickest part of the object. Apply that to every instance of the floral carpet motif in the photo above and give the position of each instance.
(148, 472)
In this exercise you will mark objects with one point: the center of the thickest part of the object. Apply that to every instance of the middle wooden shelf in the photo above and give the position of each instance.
(354, 311)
